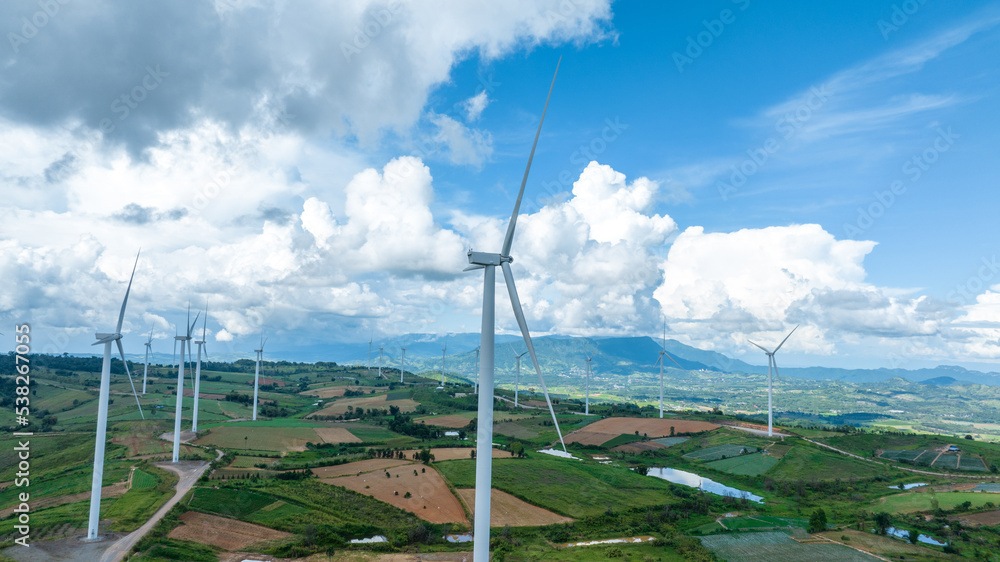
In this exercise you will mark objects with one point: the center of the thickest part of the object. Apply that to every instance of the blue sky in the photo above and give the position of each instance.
(321, 170)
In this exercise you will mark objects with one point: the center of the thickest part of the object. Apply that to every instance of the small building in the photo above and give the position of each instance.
(953, 449)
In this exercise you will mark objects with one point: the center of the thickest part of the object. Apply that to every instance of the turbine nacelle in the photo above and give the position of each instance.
(479, 260)
(105, 338)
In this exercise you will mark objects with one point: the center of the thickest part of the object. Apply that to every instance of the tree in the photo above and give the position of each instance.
(516, 449)
(817, 521)
(882, 522)
(642, 469)
(671, 431)
(914, 536)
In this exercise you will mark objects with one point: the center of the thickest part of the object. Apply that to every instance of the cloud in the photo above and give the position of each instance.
(354, 69)
(475, 105)
(459, 144)
(725, 287)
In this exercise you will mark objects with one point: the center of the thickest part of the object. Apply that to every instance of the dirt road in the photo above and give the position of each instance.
(189, 472)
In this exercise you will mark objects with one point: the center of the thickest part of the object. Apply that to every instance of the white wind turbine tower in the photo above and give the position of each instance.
(475, 382)
(145, 366)
(663, 353)
(488, 262)
(586, 410)
(772, 364)
(380, 361)
(517, 375)
(197, 370)
(180, 384)
(444, 353)
(402, 363)
(256, 373)
(102, 409)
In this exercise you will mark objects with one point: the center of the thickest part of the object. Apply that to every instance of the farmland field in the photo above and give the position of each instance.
(228, 502)
(280, 439)
(506, 509)
(339, 407)
(607, 429)
(803, 461)
(227, 534)
(776, 547)
(242, 461)
(451, 421)
(429, 496)
(719, 452)
(916, 501)
(564, 486)
(336, 435)
(358, 467)
(746, 465)
(142, 479)
(671, 441)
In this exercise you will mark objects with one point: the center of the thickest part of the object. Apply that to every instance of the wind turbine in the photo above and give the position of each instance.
(488, 262)
(370, 351)
(180, 384)
(102, 409)
(197, 370)
(256, 373)
(586, 410)
(663, 353)
(380, 361)
(145, 367)
(402, 363)
(475, 382)
(444, 352)
(517, 376)
(772, 364)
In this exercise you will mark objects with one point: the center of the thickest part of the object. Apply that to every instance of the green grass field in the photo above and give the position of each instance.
(805, 461)
(565, 486)
(745, 465)
(229, 502)
(776, 547)
(249, 462)
(720, 452)
(142, 479)
(260, 438)
(910, 502)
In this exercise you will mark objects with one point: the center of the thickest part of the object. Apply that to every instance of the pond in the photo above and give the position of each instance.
(376, 538)
(904, 534)
(557, 453)
(909, 486)
(704, 484)
(463, 537)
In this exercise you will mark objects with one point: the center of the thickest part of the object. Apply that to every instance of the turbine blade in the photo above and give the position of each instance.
(775, 363)
(121, 315)
(519, 315)
(760, 347)
(204, 323)
(121, 352)
(193, 323)
(674, 360)
(786, 338)
(150, 340)
(658, 359)
(175, 352)
(509, 238)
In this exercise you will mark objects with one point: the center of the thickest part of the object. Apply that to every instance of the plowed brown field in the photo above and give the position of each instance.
(227, 534)
(430, 500)
(358, 466)
(506, 509)
(336, 435)
(607, 429)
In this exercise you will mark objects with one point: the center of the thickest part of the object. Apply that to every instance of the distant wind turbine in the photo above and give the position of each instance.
(488, 262)
(444, 353)
(197, 370)
(102, 409)
(517, 375)
(402, 363)
(380, 361)
(180, 384)
(475, 382)
(370, 351)
(772, 364)
(256, 373)
(145, 366)
(663, 353)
